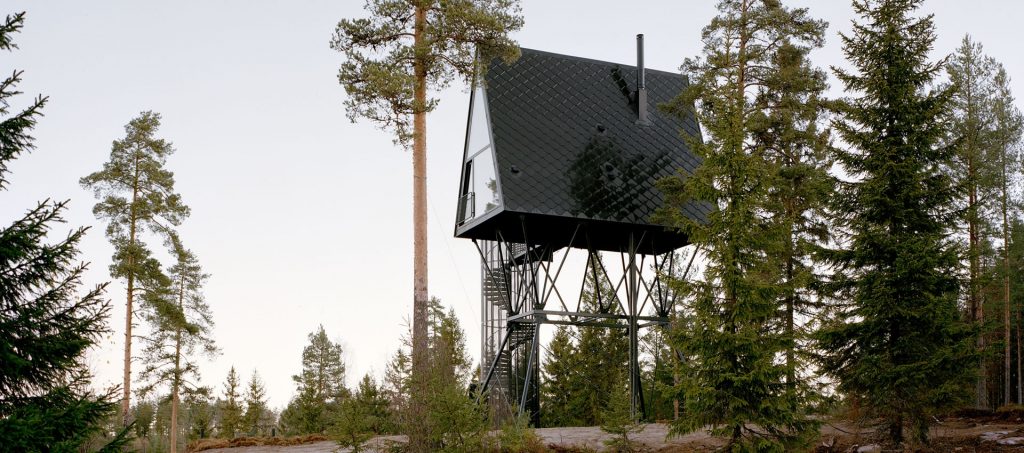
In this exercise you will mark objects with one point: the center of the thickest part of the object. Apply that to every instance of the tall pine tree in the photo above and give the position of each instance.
(181, 325)
(970, 81)
(1005, 145)
(136, 195)
(392, 59)
(898, 345)
(732, 337)
(46, 323)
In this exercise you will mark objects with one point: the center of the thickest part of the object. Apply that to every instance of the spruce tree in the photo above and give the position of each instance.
(136, 195)
(143, 413)
(46, 323)
(732, 337)
(448, 345)
(583, 365)
(199, 416)
(396, 386)
(557, 390)
(255, 405)
(603, 352)
(231, 409)
(372, 398)
(353, 425)
(617, 421)
(659, 374)
(392, 59)
(456, 422)
(898, 346)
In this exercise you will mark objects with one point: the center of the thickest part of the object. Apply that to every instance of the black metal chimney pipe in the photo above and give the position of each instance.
(641, 82)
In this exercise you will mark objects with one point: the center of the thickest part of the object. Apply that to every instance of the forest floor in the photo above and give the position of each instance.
(988, 433)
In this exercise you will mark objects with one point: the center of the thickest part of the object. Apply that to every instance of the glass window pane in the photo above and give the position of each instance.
(485, 185)
(479, 128)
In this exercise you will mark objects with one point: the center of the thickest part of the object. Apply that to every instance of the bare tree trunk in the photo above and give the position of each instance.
(174, 397)
(1007, 399)
(127, 386)
(418, 430)
(176, 382)
(977, 311)
(790, 251)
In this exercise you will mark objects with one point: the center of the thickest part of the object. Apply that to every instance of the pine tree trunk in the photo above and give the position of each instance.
(174, 398)
(790, 302)
(418, 430)
(1020, 387)
(1006, 283)
(126, 401)
(176, 382)
(127, 386)
(977, 311)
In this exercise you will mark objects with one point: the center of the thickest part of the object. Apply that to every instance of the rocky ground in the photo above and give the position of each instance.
(952, 434)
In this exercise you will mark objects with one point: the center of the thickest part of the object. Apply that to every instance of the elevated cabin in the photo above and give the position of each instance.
(565, 151)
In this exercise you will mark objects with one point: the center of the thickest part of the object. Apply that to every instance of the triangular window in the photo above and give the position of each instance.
(479, 192)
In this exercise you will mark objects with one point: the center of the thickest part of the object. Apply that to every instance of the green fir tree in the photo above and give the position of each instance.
(658, 373)
(560, 387)
(255, 406)
(231, 407)
(617, 421)
(898, 346)
(46, 323)
(360, 417)
(603, 352)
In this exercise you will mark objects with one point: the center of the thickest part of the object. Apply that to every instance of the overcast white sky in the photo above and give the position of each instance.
(301, 217)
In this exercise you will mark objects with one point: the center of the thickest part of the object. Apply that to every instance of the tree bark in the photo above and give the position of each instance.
(174, 394)
(418, 434)
(126, 401)
(1007, 399)
(973, 250)
(790, 251)
(176, 382)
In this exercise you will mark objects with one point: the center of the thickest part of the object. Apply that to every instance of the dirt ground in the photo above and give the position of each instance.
(967, 435)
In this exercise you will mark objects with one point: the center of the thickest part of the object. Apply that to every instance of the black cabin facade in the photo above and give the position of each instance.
(563, 153)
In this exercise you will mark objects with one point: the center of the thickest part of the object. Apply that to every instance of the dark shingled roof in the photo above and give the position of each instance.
(569, 151)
